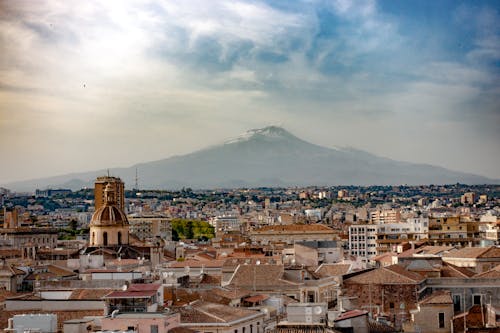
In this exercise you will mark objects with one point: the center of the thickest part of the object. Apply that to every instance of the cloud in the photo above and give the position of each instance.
(164, 69)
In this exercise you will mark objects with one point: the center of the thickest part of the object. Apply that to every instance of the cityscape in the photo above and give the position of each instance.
(345, 258)
(249, 166)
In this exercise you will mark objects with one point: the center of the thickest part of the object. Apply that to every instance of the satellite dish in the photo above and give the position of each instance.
(318, 310)
(124, 287)
(257, 262)
(165, 275)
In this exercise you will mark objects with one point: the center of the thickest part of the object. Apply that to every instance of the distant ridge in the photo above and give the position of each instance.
(269, 156)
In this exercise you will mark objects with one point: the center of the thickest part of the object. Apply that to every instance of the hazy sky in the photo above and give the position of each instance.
(86, 85)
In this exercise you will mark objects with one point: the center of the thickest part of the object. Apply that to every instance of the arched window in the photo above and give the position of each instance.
(93, 239)
(119, 238)
(105, 238)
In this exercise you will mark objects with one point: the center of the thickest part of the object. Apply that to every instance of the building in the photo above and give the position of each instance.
(477, 259)
(390, 290)
(385, 216)
(205, 317)
(141, 322)
(468, 198)
(225, 223)
(433, 314)
(147, 227)
(118, 187)
(109, 224)
(289, 234)
(451, 230)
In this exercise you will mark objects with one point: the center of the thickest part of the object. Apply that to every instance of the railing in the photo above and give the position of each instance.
(128, 308)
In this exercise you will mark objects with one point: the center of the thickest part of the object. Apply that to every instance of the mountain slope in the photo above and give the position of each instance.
(269, 156)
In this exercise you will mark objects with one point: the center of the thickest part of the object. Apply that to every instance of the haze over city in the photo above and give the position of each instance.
(89, 85)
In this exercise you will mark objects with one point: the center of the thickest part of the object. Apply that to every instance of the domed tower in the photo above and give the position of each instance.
(109, 225)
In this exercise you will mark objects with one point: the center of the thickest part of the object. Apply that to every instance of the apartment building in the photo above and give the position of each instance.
(369, 240)
(385, 216)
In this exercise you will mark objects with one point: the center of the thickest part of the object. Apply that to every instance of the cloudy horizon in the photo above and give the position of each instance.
(90, 85)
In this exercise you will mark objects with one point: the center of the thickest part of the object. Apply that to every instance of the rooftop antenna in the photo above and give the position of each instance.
(108, 172)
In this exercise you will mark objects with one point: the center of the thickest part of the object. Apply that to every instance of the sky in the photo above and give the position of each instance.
(86, 85)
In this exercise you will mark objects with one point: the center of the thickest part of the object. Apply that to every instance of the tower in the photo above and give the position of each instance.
(118, 189)
(109, 225)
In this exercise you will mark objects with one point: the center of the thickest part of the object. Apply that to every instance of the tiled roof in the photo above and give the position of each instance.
(394, 274)
(89, 294)
(493, 273)
(385, 257)
(450, 270)
(256, 298)
(259, 277)
(144, 287)
(325, 270)
(351, 314)
(197, 263)
(475, 253)
(204, 312)
(438, 297)
(59, 271)
(231, 293)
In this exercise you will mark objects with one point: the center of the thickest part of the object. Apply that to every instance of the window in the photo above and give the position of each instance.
(441, 319)
(391, 305)
(105, 238)
(476, 299)
(154, 328)
(457, 302)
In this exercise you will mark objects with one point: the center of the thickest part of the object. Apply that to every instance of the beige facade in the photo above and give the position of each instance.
(149, 227)
(433, 314)
(118, 187)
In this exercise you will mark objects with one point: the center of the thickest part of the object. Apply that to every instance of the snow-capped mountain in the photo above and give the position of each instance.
(269, 156)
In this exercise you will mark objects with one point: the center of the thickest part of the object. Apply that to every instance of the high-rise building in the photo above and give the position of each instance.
(118, 188)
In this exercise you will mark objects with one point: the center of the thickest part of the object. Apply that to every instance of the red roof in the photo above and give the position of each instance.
(144, 287)
(256, 298)
(351, 314)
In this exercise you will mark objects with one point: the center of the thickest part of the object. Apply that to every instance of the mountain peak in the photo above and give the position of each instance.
(270, 132)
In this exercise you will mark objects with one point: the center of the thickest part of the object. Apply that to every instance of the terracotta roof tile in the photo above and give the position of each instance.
(394, 274)
(450, 270)
(351, 314)
(475, 252)
(493, 273)
(438, 297)
(89, 294)
(326, 270)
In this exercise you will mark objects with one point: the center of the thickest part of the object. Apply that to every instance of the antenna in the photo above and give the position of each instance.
(136, 180)
(108, 172)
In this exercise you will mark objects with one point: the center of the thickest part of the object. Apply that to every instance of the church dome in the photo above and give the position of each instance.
(109, 214)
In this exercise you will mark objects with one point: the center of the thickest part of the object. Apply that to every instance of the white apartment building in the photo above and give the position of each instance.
(367, 241)
(225, 223)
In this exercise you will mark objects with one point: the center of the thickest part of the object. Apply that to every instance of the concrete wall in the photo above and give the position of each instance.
(427, 319)
(53, 305)
(141, 324)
